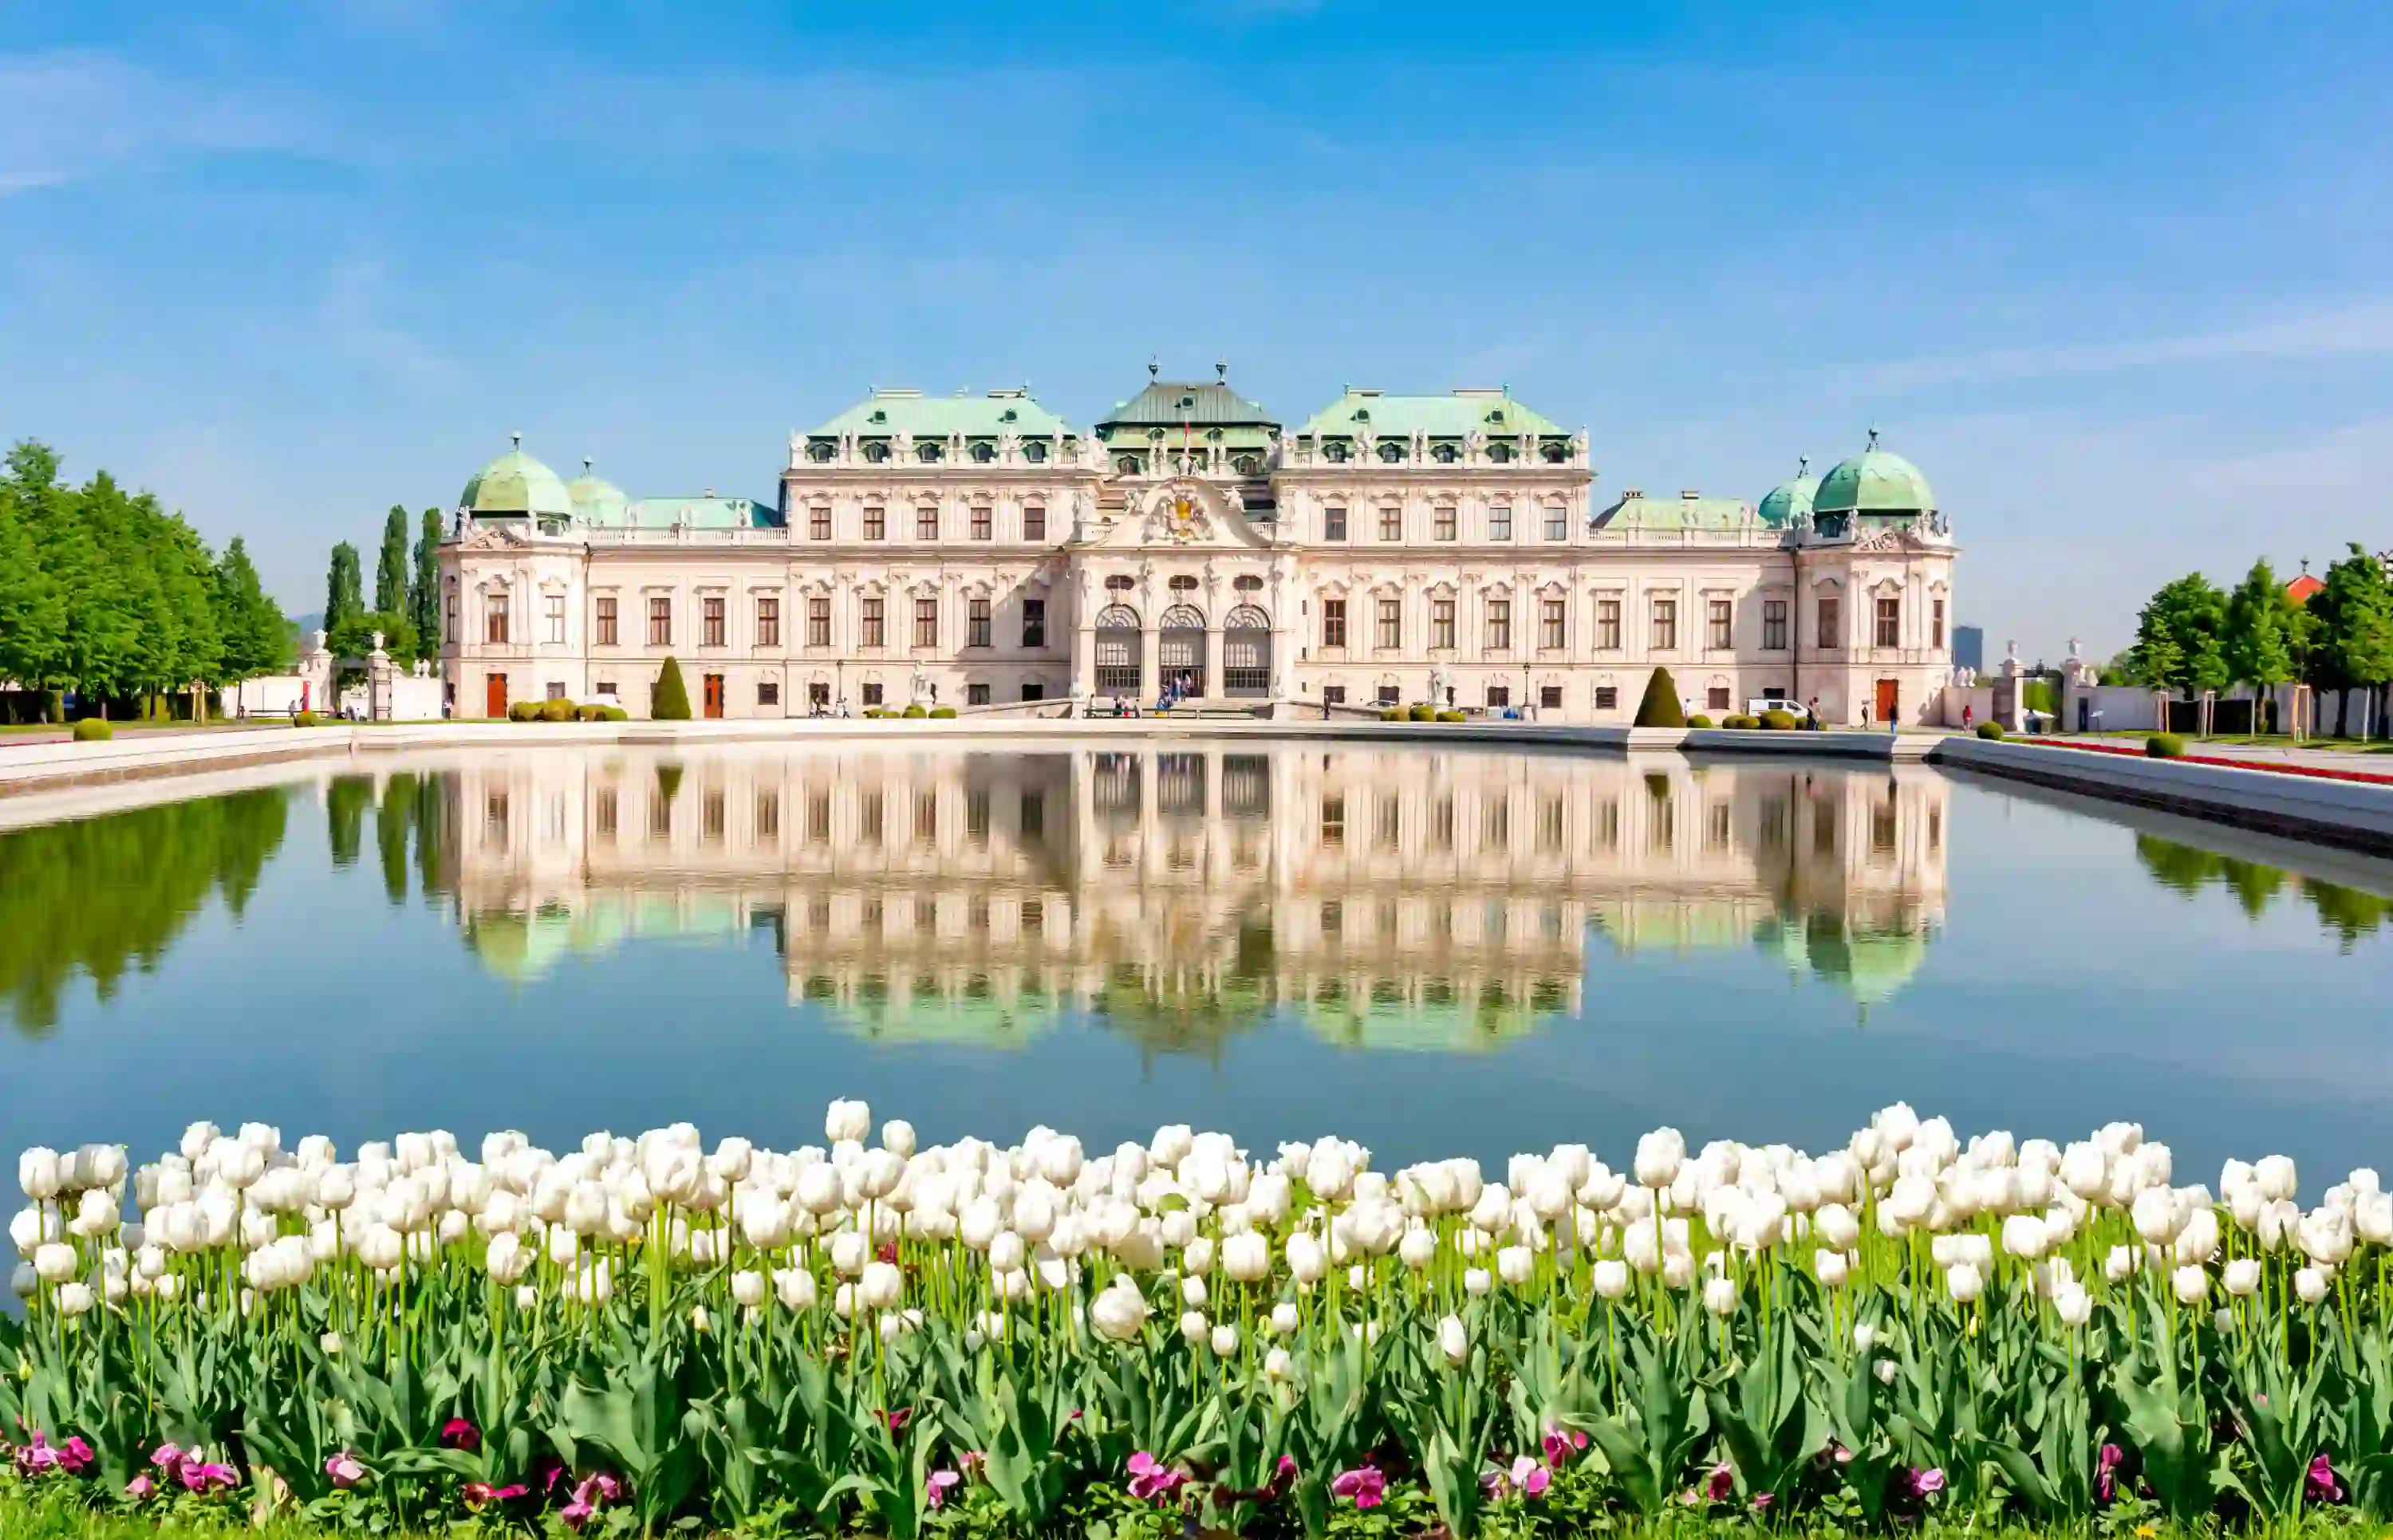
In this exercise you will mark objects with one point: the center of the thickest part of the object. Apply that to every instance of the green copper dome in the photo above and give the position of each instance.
(1789, 502)
(596, 500)
(1873, 481)
(517, 484)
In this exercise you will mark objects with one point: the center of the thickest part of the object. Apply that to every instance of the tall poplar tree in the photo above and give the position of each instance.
(344, 593)
(424, 595)
(32, 619)
(390, 567)
(255, 639)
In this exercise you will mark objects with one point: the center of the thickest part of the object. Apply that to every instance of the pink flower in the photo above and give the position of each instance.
(457, 1433)
(345, 1471)
(199, 1475)
(586, 1498)
(1526, 1477)
(1561, 1446)
(896, 1419)
(37, 1457)
(937, 1487)
(478, 1494)
(970, 1462)
(1720, 1484)
(1761, 1501)
(1364, 1484)
(167, 1455)
(575, 1513)
(2319, 1486)
(139, 1488)
(1151, 1480)
(2106, 1468)
(1924, 1484)
(73, 1456)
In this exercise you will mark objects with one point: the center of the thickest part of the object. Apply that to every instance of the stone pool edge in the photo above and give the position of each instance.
(2350, 814)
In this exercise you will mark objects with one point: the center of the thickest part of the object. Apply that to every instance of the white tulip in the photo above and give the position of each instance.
(2240, 1278)
(2275, 1177)
(1194, 1328)
(881, 1285)
(1476, 1282)
(2073, 1305)
(794, 1287)
(1226, 1341)
(2310, 1283)
(74, 1298)
(1285, 1318)
(1418, 1249)
(1720, 1297)
(1611, 1280)
(1308, 1261)
(1120, 1312)
(1514, 1264)
(1245, 1259)
(1277, 1364)
(847, 1122)
(748, 1288)
(1659, 1156)
(2190, 1283)
(1830, 1267)
(37, 1173)
(2122, 1261)
(1454, 1340)
(1963, 1281)
(2024, 1236)
(1192, 1293)
(54, 1261)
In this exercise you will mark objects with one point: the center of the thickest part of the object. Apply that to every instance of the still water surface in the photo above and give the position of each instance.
(1431, 952)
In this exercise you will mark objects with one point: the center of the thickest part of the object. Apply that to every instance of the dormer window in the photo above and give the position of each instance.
(1334, 452)
(1500, 453)
(877, 452)
(982, 455)
(1127, 464)
(1247, 464)
(1035, 452)
(1443, 455)
(1391, 453)
(878, 416)
(927, 453)
(820, 453)
(1554, 454)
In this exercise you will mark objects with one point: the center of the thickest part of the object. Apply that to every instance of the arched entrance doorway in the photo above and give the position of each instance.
(1245, 653)
(1180, 647)
(1118, 652)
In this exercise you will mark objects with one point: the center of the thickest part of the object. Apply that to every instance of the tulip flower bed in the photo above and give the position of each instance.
(645, 1335)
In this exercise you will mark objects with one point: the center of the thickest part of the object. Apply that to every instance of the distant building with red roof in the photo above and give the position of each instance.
(2301, 588)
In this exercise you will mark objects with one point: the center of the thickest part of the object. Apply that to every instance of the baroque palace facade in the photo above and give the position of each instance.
(979, 552)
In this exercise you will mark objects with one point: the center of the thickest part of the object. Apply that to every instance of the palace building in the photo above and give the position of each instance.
(980, 552)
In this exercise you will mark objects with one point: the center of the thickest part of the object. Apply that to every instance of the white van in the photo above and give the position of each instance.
(1792, 708)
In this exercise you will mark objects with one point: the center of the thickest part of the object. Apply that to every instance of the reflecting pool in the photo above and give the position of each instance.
(1433, 952)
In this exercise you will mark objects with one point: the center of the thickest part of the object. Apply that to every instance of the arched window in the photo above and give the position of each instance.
(1500, 453)
(1247, 464)
(876, 451)
(1391, 453)
(1184, 617)
(1247, 584)
(1183, 584)
(927, 453)
(820, 453)
(983, 454)
(1120, 584)
(1034, 451)
(1246, 617)
(1117, 618)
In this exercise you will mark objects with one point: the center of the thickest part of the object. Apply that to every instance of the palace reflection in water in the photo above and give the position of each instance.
(1185, 893)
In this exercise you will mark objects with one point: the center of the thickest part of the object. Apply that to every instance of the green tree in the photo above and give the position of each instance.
(355, 638)
(113, 590)
(256, 639)
(1661, 707)
(423, 595)
(2352, 647)
(32, 619)
(2178, 637)
(344, 598)
(2257, 648)
(670, 702)
(390, 567)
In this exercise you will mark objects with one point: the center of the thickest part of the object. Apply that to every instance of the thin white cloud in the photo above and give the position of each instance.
(2363, 328)
(67, 113)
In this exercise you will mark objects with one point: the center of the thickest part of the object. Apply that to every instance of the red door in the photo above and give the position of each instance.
(714, 695)
(1889, 703)
(495, 703)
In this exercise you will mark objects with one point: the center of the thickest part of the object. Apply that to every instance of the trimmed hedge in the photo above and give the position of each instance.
(1741, 721)
(1991, 730)
(1660, 707)
(556, 710)
(1450, 716)
(523, 711)
(93, 730)
(305, 719)
(1699, 720)
(943, 713)
(1423, 712)
(914, 711)
(2164, 746)
(1778, 722)
(1392, 714)
(670, 702)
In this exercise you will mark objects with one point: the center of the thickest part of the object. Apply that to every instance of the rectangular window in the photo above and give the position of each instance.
(1553, 626)
(768, 621)
(553, 607)
(818, 521)
(1774, 625)
(984, 522)
(869, 623)
(1716, 699)
(1499, 522)
(1550, 697)
(926, 521)
(1034, 522)
(1499, 625)
(494, 619)
(1333, 695)
(768, 692)
(1034, 690)
(872, 695)
(1936, 624)
(1831, 624)
(1665, 625)
(713, 611)
(1333, 524)
(818, 620)
(1890, 623)
(1392, 624)
(604, 623)
(926, 622)
(1387, 696)
(976, 625)
(1034, 622)
(1607, 698)
(1607, 625)
(1557, 522)
(1391, 524)
(449, 613)
(1719, 623)
(1443, 527)
(1333, 822)
(818, 695)
(607, 686)
(1441, 622)
(1499, 696)
(876, 522)
(659, 621)
(975, 695)
(1333, 623)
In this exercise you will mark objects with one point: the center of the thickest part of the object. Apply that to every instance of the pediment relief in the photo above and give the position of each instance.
(1183, 514)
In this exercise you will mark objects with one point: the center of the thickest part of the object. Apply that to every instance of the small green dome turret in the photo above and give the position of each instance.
(1874, 481)
(596, 500)
(515, 485)
(1790, 501)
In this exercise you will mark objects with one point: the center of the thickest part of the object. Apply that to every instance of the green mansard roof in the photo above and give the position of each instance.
(1675, 514)
(889, 412)
(1493, 413)
(1172, 403)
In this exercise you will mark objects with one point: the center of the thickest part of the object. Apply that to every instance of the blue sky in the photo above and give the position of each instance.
(2114, 276)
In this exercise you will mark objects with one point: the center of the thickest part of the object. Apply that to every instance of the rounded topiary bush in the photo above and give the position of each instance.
(92, 729)
(523, 711)
(1778, 722)
(1449, 716)
(1660, 707)
(1423, 712)
(943, 713)
(592, 712)
(1699, 720)
(2164, 746)
(914, 711)
(1739, 720)
(556, 710)
(613, 714)
(1392, 714)
(1991, 730)
(303, 719)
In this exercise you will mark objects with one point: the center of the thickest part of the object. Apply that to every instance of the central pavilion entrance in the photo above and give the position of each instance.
(1121, 669)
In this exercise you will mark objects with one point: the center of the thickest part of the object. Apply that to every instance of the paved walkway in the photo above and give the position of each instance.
(142, 730)
(2364, 762)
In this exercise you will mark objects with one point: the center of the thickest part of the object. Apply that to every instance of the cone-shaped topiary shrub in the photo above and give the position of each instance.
(670, 702)
(1660, 707)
